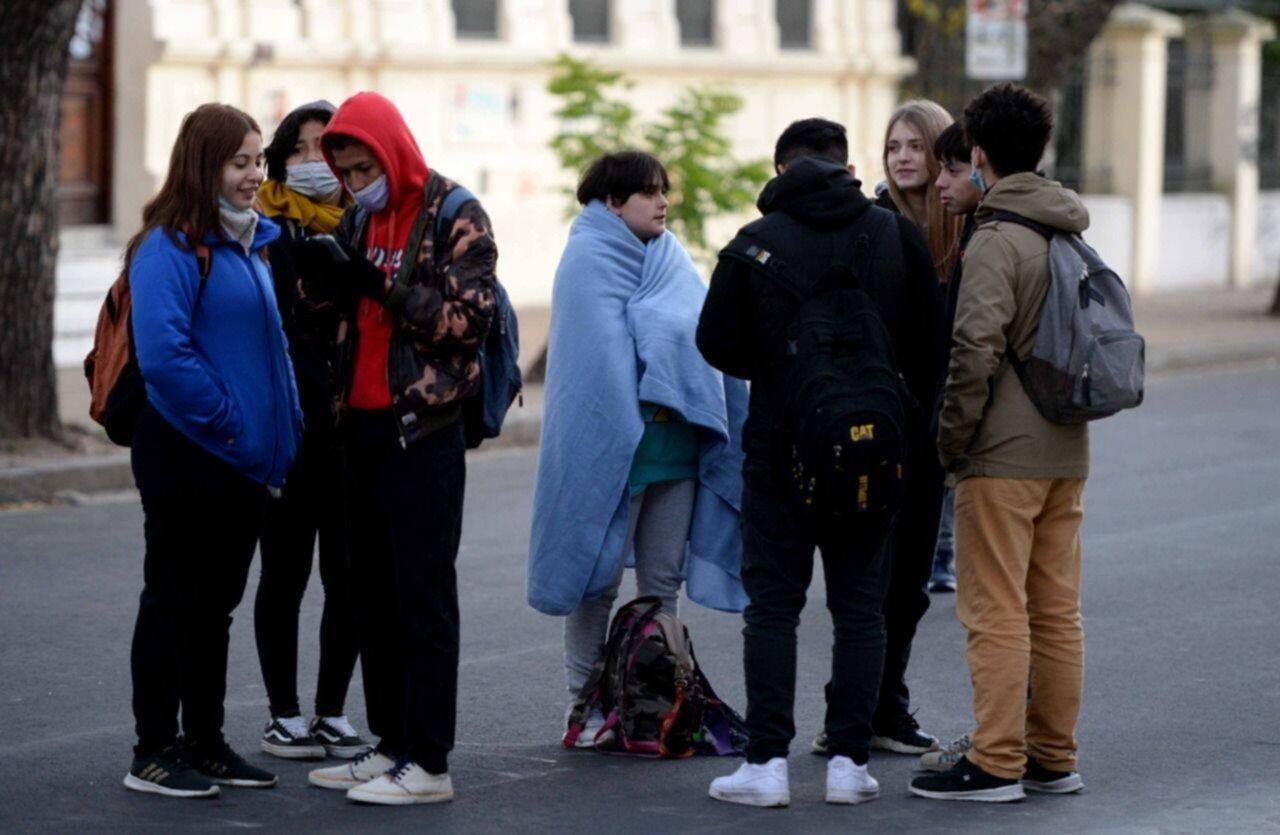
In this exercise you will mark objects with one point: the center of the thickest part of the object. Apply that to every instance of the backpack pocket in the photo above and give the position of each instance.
(1111, 378)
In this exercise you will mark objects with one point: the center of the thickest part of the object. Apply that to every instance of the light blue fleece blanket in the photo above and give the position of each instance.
(623, 318)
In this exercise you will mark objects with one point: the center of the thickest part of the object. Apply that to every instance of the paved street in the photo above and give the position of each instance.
(1180, 731)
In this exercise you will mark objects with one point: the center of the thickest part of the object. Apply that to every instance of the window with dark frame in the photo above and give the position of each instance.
(476, 19)
(697, 22)
(590, 20)
(795, 23)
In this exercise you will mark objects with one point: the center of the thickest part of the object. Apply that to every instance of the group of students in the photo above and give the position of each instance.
(306, 381)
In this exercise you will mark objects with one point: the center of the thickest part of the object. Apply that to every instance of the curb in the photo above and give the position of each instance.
(102, 473)
(76, 479)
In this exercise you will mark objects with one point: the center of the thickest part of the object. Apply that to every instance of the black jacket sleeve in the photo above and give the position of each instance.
(726, 332)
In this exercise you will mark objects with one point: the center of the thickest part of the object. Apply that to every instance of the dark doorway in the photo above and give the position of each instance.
(84, 179)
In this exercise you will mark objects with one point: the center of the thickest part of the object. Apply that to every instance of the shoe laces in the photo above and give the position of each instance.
(295, 726)
(907, 722)
(339, 724)
(957, 746)
(398, 770)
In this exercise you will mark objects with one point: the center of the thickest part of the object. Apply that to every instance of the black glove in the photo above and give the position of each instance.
(327, 276)
(361, 276)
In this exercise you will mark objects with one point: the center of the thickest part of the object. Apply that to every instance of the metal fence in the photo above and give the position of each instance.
(1191, 73)
(1269, 118)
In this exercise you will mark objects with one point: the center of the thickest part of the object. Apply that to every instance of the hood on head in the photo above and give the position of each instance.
(817, 192)
(372, 119)
(1037, 198)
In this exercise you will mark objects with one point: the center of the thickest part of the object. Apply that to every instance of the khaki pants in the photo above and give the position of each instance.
(1018, 573)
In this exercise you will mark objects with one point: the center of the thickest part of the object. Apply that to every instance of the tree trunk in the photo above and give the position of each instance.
(33, 70)
(1058, 33)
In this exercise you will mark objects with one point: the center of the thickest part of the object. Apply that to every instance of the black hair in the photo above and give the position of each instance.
(951, 145)
(338, 141)
(286, 135)
(812, 138)
(620, 175)
(1011, 125)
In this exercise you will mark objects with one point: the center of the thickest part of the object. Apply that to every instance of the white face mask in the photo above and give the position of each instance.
(312, 179)
(373, 197)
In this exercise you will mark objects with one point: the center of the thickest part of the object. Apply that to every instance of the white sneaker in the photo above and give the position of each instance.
(407, 783)
(755, 785)
(348, 775)
(848, 782)
(947, 755)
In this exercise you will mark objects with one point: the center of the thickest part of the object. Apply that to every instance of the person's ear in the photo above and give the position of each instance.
(977, 157)
(780, 168)
(853, 169)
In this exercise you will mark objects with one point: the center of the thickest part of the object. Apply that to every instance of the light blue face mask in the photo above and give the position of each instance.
(312, 179)
(373, 197)
(975, 177)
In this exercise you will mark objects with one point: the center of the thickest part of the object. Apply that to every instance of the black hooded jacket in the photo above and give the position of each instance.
(808, 212)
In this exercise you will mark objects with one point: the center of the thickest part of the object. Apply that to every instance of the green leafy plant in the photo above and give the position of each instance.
(688, 137)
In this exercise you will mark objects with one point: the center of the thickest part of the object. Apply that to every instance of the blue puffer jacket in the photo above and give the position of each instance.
(215, 362)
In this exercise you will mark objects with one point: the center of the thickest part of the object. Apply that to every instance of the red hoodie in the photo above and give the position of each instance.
(373, 120)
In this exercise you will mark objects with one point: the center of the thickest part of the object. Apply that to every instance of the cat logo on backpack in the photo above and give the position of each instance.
(865, 432)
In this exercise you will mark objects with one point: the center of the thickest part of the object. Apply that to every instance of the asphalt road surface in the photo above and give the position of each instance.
(1180, 730)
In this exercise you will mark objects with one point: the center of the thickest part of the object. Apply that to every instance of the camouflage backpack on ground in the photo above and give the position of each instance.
(655, 699)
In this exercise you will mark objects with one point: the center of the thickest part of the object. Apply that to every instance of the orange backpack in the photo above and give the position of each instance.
(116, 390)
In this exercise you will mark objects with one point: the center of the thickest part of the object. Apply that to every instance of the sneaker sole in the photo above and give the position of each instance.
(147, 787)
(1065, 785)
(345, 752)
(335, 783)
(247, 784)
(1004, 794)
(398, 799)
(885, 743)
(294, 752)
(766, 802)
(852, 798)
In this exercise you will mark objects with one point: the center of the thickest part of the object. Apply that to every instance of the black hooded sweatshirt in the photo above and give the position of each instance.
(808, 212)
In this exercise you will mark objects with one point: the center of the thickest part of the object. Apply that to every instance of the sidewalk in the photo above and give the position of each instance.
(1184, 330)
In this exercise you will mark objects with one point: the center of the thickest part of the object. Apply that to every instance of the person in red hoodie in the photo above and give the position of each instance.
(416, 298)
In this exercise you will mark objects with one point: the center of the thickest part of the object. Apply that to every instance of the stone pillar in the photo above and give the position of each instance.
(1231, 125)
(746, 27)
(536, 24)
(648, 25)
(1124, 124)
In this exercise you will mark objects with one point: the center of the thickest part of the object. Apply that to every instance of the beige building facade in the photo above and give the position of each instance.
(477, 101)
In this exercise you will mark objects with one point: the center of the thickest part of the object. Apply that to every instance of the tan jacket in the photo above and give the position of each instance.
(988, 425)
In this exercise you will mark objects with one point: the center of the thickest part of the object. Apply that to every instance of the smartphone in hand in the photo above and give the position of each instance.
(336, 252)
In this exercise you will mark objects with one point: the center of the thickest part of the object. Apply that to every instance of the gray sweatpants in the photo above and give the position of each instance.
(658, 525)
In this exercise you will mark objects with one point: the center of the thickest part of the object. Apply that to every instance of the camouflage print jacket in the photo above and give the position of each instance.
(441, 315)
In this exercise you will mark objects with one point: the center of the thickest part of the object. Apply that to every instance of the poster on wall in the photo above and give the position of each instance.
(996, 40)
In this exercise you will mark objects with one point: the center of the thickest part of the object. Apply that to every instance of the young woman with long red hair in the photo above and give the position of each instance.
(220, 428)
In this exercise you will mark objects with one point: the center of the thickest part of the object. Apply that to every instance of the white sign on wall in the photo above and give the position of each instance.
(996, 40)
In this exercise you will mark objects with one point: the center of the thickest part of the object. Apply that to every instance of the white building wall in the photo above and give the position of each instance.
(1195, 242)
(1267, 264)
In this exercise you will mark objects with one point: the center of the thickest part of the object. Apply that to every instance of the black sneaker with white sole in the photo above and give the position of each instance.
(338, 737)
(902, 736)
(967, 782)
(1037, 778)
(222, 765)
(287, 737)
(167, 773)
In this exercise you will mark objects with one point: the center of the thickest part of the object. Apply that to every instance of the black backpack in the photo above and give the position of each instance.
(849, 424)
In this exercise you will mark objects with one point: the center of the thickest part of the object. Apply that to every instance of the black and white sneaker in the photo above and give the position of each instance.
(903, 736)
(287, 737)
(167, 773)
(1037, 778)
(222, 765)
(338, 737)
(967, 782)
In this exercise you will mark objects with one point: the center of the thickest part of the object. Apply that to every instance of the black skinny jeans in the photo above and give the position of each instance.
(777, 567)
(310, 505)
(201, 526)
(405, 522)
(910, 547)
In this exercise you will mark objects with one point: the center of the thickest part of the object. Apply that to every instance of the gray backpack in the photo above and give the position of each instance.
(1087, 360)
